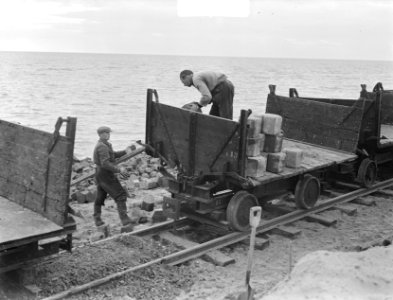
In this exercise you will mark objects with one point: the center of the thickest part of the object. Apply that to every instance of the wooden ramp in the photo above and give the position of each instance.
(19, 226)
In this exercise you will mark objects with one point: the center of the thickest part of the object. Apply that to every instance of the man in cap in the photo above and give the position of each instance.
(215, 88)
(106, 180)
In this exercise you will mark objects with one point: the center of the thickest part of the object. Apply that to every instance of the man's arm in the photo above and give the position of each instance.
(204, 90)
(119, 153)
(103, 155)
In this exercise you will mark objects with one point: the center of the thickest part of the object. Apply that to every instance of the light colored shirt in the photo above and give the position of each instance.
(205, 82)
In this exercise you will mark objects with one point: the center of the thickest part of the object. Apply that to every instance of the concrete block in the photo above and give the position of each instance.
(158, 216)
(147, 205)
(293, 158)
(153, 174)
(81, 196)
(256, 166)
(163, 181)
(255, 145)
(127, 228)
(91, 196)
(275, 162)
(149, 183)
(273, 143)
(77, 167)
(97, 236)
(254, 126)
(271, 124)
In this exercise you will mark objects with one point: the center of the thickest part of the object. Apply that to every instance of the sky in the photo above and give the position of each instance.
(317, 29)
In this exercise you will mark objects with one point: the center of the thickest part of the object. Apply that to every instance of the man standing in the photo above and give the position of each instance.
(106, 180)
(215, 88)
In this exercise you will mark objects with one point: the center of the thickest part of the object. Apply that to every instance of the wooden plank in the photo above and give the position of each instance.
(311, 218)
(287, 231)
(214, 256)
(18, 223)
(388, 193)
(364, 201)
(321, 220)
(347, 209)
(260, 243)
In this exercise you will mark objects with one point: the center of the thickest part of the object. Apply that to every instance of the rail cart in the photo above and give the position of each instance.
(35, 178)
(209, 154)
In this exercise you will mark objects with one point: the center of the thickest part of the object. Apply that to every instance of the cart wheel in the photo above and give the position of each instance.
(238, 210)
(307, 192)
(367, 172)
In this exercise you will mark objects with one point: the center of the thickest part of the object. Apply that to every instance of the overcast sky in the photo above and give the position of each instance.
(331, 29)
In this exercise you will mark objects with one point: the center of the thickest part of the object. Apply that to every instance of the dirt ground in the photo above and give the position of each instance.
(202, 280)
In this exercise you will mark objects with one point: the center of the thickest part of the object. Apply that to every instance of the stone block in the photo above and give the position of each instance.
(273, 143)
(91, 196)
(127, 228)
(148, 204)
(255, 145)
(275, 162)
(163, 181)
(158, 216)
(149, 183)
(271, 124)
(256, 166)
(254, 126)
(73, 196)
(81, 196)
(294, 157)
(77, 167)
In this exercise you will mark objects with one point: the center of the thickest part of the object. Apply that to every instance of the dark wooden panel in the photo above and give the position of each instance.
(320, 123)
(386, 105)
(213, 134)
(32, 177)
(171, 126)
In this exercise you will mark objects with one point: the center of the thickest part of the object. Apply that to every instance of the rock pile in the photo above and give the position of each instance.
(143, 174)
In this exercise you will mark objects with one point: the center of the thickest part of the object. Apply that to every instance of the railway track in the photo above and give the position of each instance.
(201, 249)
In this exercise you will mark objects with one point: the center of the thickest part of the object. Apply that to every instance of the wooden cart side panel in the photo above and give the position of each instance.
(318, 123)
(343, 102)
(217, 145)
(386, 104)
(31, 177)
(172, 128)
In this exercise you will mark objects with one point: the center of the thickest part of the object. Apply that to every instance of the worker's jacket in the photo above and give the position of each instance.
(104, 157)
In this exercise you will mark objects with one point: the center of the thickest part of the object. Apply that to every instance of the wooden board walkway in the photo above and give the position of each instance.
(20, 225)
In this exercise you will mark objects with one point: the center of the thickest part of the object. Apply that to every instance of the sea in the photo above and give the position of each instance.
(110, 89)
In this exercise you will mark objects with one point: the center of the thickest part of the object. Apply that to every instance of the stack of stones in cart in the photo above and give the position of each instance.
(264, 147)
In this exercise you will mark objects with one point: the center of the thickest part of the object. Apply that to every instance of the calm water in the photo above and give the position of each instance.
(108, 89)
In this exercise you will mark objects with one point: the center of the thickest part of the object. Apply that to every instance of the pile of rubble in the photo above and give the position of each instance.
(143, 174)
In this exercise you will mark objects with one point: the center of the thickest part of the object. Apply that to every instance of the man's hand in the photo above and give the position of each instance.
(192, 106)
(130, 148)
(123, 173)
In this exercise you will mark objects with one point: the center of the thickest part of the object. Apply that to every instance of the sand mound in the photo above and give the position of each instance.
(340, 275)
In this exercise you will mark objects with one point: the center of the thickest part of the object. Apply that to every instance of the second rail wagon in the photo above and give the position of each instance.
(210, 157)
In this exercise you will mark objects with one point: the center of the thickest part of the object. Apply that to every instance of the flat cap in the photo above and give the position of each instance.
(103, 129)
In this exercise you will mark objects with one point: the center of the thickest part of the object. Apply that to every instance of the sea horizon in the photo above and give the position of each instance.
(110, 89)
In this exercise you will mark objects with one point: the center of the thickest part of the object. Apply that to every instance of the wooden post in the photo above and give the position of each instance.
(149, 100)
(192, 142)
(243, 142)
(70, 134)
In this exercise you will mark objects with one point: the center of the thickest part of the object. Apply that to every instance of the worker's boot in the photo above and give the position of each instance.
(97, 216)
(122, 209)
